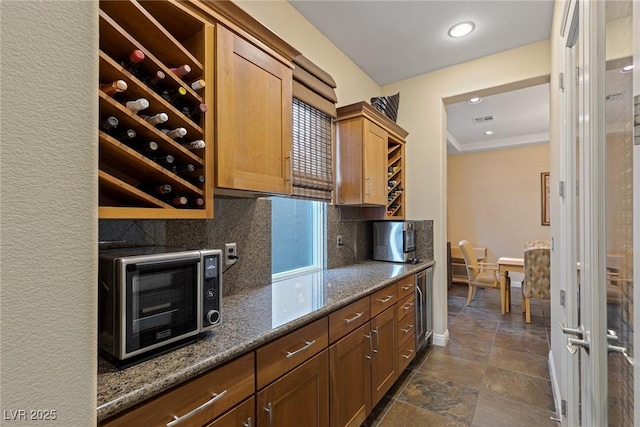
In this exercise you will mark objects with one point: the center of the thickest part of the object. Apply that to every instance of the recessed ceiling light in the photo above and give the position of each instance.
(627, 69)
(475, 100)
(461, 29)
(489, 132)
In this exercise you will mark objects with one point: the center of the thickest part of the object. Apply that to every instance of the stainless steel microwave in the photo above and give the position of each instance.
(151, 299)
(394, 241)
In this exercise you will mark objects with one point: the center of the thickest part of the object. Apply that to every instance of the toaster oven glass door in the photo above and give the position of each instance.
(161, 303)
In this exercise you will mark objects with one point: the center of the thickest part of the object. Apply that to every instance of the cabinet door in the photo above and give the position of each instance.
(300, 398)
(384, 370)
(254, 117)
(243, 415)
(350, 378)
(375, 164)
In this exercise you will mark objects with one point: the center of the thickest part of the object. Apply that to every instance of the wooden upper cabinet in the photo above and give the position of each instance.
(364, 143)
(254, 116)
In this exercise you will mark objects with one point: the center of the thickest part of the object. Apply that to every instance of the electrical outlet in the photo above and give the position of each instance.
(230, 253)
(340, 243)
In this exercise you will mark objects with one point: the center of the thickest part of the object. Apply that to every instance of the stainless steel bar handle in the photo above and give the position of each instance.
(406, 287)
(421, 307)
(368, 186)
(387, 299)
(409, 327)
(375, 331)
(621, 350)
(356, 317)
(370, 346)
(407, 306)
(579, 332)
(574, 343)
(408, 355)
(307, 344)
(248, 423)
(177, 420)
(269, 410)
(290, 158)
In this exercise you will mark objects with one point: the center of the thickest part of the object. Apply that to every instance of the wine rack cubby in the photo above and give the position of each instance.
(170, 36)
(395, 181)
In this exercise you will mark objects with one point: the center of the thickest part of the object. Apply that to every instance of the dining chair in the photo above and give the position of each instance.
(479, 274)
(537, 274)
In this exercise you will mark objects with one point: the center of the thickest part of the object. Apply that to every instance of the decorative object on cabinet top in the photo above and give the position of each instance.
(387, 105)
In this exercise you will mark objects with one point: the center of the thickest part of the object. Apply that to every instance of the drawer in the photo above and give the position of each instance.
(407, 328)
(215, 392)
(406, 286)
(241, 415)
(406, 354)
(384, 299)
(406, 305)
(282, 355)
(347, 319)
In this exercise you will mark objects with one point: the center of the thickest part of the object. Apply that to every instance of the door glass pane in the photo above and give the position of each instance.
(619, 214)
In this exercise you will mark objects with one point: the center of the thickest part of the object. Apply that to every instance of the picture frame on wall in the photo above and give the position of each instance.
(545, 192)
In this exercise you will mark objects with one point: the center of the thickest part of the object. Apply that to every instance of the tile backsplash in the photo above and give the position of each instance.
(247, 222)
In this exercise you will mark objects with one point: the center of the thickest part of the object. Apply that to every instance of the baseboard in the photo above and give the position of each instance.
(441, 339)
(555, 387)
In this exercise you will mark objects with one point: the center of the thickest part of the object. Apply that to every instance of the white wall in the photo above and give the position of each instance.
(423, 115)
(48, 219)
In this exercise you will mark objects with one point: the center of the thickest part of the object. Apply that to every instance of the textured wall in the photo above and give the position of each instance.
(48, 220)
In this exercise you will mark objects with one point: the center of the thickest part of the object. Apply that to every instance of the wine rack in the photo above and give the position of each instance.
(395, 180)
(169, 35)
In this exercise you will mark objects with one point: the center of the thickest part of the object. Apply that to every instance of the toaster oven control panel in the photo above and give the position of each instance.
(211, 288)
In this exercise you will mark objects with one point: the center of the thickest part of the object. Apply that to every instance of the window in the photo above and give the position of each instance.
(297, 236)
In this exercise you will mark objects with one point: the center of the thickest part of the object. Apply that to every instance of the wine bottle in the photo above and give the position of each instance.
(198, 84)
(195, 179)
(137, 105)
(114, 87)
(154, 80)
(175, 133)
(194, 145)
(181, 71)
(178, 201)
(186, 168)
(128, 136)
(194, 113)
(154, 189)
(109, 124)
(196, 202)
(149, 149)
(132, 62)
(156, 119)
(166, 160)
(173, 95)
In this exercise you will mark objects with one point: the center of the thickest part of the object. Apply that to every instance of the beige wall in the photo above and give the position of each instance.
(353, 84)
(494, 198)
(422, 113)
(48, 219)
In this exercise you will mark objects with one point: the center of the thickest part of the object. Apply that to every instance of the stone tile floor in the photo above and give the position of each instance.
(494, 371)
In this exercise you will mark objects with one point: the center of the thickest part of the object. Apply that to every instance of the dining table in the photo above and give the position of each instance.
(505, 266)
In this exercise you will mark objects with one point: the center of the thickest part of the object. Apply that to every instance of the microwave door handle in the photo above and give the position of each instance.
(151, 264)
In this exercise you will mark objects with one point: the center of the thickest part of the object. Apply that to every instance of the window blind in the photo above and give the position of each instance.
(311, 152)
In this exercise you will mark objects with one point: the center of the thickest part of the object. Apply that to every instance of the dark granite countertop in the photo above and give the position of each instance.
(249, 320)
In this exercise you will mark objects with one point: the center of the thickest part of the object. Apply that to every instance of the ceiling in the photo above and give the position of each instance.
(394, 40)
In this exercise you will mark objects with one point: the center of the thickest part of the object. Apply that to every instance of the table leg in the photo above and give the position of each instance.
(503, 290)
(507, 280)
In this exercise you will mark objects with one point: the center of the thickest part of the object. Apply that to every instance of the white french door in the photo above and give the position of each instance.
(600, 210)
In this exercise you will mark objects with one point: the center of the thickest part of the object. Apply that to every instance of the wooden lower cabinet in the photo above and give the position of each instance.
(299, 398)
(350, 378)
(243, 415)
(384, 369)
